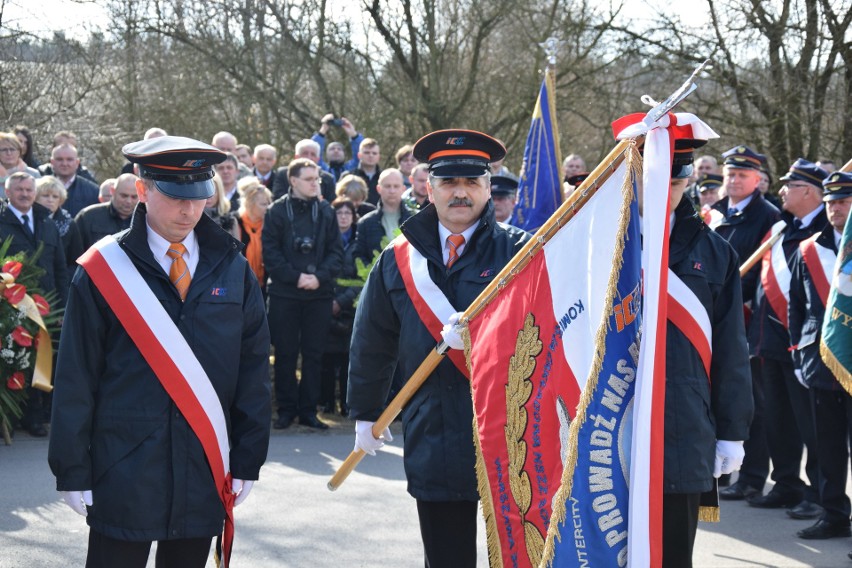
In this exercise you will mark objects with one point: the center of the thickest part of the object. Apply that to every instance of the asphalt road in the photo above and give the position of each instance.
(292, 520)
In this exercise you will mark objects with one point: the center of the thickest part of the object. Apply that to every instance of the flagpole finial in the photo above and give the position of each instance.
(551, 47)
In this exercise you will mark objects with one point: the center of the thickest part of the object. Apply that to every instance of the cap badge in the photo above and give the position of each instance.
(455, 141)
(741, 149)
(193, 163)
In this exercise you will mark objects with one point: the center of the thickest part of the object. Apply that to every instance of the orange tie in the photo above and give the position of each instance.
(179, 272)
(454, 242)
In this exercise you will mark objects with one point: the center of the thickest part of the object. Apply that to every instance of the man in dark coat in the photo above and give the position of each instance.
(812, 272)
(385, 220)
(464, 248)
(97, 221)
(302, 254)
(124, 452)
(81, 191)
(30, 227)
(786, 406)
(743, 219)
(707, 416)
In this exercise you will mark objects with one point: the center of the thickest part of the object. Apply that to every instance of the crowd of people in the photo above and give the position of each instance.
(307, 226)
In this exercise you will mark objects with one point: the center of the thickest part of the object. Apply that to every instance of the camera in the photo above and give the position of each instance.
(334, 122)
(304, 245)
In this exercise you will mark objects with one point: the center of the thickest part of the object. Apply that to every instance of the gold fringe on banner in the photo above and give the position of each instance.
(558, 515)
(841, 373)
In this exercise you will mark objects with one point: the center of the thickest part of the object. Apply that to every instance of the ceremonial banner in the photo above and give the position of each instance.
(553, 363)
(540, 187)
(836, 343)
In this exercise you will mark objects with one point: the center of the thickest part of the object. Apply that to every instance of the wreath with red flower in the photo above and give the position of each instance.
(26, 318)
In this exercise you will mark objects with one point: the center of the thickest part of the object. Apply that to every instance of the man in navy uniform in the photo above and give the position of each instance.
(786, 407)
(812, 272)
(708, 410)
(463, 248)
(159, 445)
(504, 194)
(743, 217)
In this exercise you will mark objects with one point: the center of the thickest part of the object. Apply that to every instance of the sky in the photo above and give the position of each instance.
(77, 18)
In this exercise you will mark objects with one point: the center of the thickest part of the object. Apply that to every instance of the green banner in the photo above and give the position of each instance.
(836, 346)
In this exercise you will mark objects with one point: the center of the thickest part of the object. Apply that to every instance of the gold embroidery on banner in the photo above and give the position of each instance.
(518, 391)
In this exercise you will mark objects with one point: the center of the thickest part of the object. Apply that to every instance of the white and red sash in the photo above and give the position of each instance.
(170, 357)
(775, 276)
(819, 261)
(429, 301)
(689, 315)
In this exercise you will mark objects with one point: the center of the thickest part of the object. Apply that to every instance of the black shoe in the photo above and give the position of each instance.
(849, 554)
(824, 529)
(313, 422)
(805, 510)
(283, 422)
(737, 492)
(36, 430)
(774, 500)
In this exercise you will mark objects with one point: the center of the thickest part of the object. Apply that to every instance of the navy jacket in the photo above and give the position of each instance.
(767, 336)
(437, 422)
(699, 409)
(82, 193)
(745, 232)
(805, 313)
(116, 431)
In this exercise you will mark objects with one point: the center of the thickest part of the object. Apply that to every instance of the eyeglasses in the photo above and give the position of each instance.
(8, 150)
(797, 185)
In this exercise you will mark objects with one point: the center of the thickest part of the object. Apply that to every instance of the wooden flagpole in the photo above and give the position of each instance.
(546, 232)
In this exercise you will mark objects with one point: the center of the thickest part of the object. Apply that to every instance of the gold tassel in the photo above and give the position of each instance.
(708, 514)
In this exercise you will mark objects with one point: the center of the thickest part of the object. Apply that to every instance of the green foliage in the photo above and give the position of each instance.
(364, 270)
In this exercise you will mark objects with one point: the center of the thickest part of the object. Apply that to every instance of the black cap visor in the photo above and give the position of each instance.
(837, 194)
(459, 168)
(198, 185)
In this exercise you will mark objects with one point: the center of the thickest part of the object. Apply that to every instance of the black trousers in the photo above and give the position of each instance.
(833, 419)
(680, 523)
(448, 530)
(755, 468)
(789, 424)
(298, 326)
(106, 552)
(335, 377)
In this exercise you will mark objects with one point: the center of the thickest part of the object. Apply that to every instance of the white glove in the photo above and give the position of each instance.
(800, 378)
(729, 457)
(364, 439)
(451, 334)
(77, 500)
(241, 489)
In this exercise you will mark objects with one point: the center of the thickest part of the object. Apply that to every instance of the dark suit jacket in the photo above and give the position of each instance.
(52, 258)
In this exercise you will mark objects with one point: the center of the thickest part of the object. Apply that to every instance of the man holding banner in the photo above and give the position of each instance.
(447, 254)
(161, 410)
(706, 415)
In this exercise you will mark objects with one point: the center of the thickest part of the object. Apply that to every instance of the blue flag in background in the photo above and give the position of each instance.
(540, 189)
